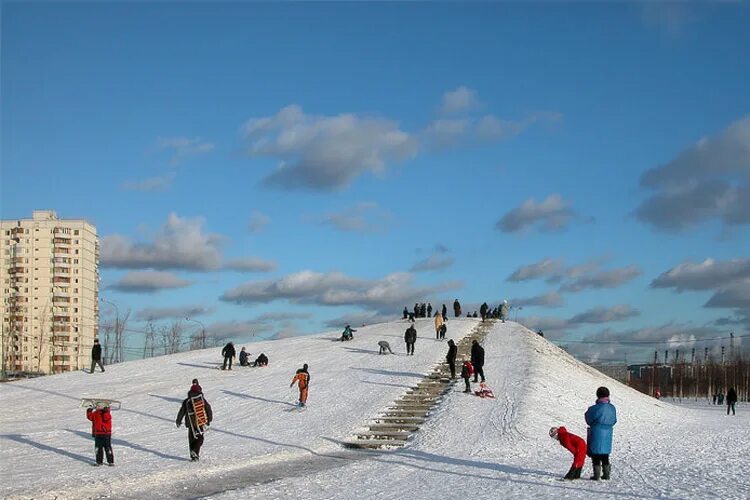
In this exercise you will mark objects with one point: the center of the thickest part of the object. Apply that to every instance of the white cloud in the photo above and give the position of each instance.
(183, 147)
(365, 217)
(434, 262)
(160, 183)
(335, 289)
(251, 265)
(326, 152)
(619, 312)
(148, 282)
(610, 278)
(552, 213)
(552, 269)
(258, 221)
(179, 312)
(460, 100)
(179, 244)
(706, 275)
(549, 299)
(706, 181)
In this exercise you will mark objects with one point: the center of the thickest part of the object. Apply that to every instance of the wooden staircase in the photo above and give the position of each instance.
(401, 419)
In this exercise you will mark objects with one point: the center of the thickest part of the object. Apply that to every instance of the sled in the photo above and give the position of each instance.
(197, 418)
(484, 392)
(112, 404)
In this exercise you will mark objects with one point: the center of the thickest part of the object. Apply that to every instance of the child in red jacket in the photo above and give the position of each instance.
(101, 429)
(574, 444)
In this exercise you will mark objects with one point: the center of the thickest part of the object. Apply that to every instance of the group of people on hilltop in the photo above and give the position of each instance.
(422, 310)
(229, 353)
(600, 418)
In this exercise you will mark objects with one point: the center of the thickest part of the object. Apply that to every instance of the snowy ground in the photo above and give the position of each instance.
(470, 448)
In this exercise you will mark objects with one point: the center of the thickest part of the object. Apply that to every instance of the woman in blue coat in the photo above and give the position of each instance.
(600, 417)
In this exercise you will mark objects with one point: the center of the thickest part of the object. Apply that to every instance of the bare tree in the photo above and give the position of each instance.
(175, 336)
(120, 337)
(164, 333)
(106, 342)
(150, 342)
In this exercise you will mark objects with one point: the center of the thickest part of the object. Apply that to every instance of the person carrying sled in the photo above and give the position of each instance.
(243, 358)
(261, 360)
(96, 356)
(410, 337)
(467, 370)
(451, 357)
(438, 325)
(348, 333)
(229, 353)
(574, 444)
(600, 417)
(384, 346)
(101, 430)
(302, 379)
(188, 415)
(477, 360)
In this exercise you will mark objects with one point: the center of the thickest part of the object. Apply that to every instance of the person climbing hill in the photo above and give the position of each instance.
(302, 379)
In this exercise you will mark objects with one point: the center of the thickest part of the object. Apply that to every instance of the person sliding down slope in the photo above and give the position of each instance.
(574, 444)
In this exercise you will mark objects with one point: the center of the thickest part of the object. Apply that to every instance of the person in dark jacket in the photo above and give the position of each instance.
(574, 444)
(429, 310)
(451, 357)
(483, 310)
(229, 353)
(410, 337)
(348, 333)
(101, 429)
(600, 417)
(456, 308)
(243, 358)
(406, 313)
(96, 356)
(731, 400)
(444, 312)
(477, 360)
(261, 360)
(187, 414)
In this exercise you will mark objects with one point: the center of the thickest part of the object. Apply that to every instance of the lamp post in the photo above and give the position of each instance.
(117, 328)
(203, 332)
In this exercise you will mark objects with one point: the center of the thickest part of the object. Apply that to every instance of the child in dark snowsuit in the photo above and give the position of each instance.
(466, 372)
(574, 444)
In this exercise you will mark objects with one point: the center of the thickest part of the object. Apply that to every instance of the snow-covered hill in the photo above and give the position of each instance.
(257, 447)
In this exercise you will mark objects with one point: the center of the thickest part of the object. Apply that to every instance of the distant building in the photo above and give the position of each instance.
(49, 284)
(617, 371)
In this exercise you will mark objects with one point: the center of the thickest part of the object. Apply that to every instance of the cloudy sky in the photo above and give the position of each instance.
(282, 169)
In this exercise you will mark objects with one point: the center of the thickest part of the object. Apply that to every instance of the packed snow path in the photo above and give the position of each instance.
(470, 447)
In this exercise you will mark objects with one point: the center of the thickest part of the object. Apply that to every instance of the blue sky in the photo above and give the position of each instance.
(332, 148)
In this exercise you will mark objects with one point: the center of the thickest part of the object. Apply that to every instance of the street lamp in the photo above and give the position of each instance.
(117, 328)
(203, 332)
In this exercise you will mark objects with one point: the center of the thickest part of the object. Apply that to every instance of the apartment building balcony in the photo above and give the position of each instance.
(16, 270)
(61, 241)
(18, 319)
(61, 270)
(60, 279)
(60, 300)
(61, 251)
(60, 338)
(61, 329)
(61, 319)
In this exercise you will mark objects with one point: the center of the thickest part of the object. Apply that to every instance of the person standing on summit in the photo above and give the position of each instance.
(228, 352)
(600, 417)
(456, 308)
(451, 358)
(438, 325)
(96, 356)
(410, 337)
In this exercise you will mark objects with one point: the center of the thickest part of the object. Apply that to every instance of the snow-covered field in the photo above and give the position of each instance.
(257, 448)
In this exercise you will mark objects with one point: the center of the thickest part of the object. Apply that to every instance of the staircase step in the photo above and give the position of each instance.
(374, 444)
(393, 427)
(396, 435)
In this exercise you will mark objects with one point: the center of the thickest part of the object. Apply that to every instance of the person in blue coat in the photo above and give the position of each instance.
(600, 417)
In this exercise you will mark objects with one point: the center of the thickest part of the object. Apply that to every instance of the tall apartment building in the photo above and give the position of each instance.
(49, 279)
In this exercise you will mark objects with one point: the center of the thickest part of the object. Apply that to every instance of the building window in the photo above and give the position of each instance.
(75, 232)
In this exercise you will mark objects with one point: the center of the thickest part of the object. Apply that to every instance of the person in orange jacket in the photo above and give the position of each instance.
(302, 379)
(574, 444)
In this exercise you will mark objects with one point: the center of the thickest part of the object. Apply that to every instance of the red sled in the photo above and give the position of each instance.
(484, 392)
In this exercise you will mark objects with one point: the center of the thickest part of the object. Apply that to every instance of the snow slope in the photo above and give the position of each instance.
(470, 447)
(45, 437)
